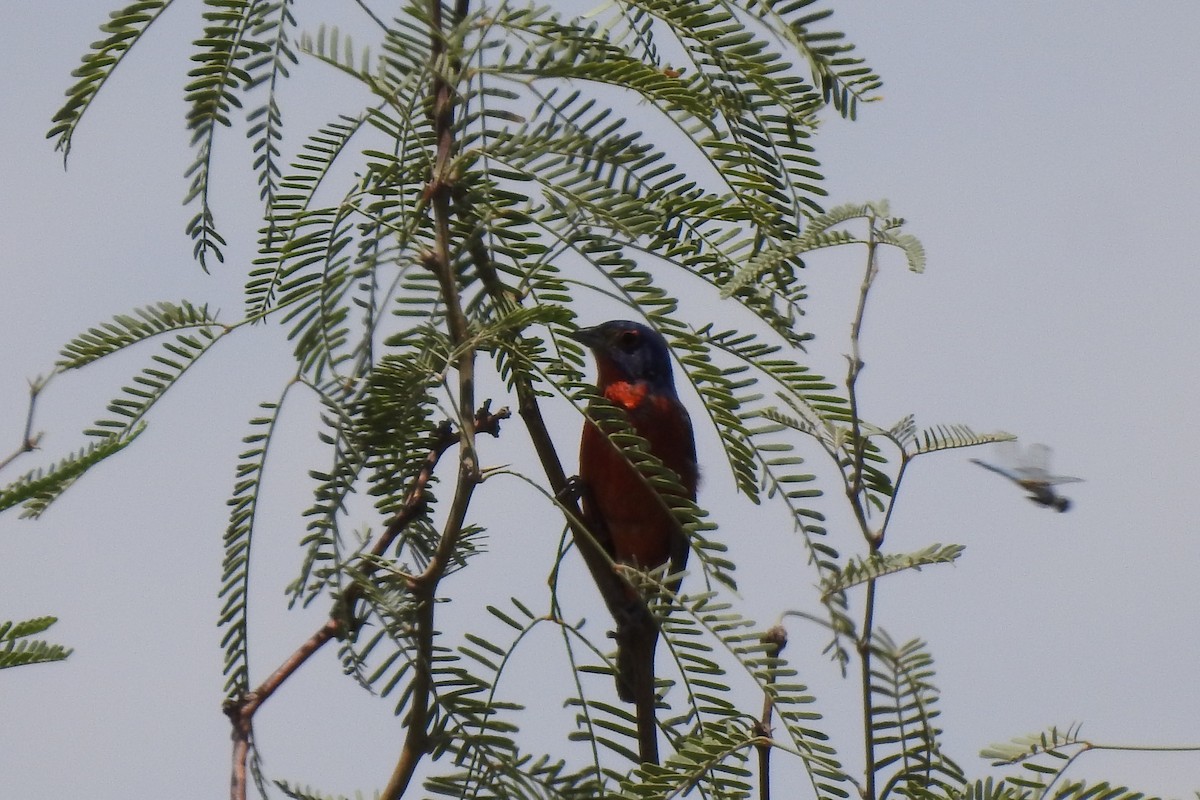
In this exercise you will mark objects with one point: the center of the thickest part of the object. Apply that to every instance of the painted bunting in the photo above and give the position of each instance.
(634, 366)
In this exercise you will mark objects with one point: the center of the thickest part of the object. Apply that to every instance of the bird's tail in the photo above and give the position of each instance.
(635, 663)
(637, 639)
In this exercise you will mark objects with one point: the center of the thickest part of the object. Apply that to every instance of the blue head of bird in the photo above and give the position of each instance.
(628, 351)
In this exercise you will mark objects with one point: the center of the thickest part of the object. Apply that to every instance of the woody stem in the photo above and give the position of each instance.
(446, 71)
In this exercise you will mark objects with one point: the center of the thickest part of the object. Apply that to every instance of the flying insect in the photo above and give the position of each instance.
(1029, 468)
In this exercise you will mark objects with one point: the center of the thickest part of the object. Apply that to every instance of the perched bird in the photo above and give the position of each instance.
(1031, 471)
(634, 367)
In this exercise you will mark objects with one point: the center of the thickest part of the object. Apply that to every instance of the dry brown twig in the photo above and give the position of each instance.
(29, 439)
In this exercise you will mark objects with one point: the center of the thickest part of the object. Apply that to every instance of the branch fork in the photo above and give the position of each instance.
(241, 710)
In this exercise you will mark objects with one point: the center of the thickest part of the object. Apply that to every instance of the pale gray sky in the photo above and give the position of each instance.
(1043, 152)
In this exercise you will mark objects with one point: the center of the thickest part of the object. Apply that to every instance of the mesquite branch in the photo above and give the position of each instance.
(855, 492)
(441, 191)
(241, 712)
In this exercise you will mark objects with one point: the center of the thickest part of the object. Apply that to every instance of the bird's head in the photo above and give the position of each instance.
(628, 351)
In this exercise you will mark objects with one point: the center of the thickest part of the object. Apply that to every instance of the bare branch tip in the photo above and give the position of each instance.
(777, 637)
(487, 421)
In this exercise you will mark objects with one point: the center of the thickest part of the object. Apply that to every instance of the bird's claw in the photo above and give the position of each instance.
(573, 491)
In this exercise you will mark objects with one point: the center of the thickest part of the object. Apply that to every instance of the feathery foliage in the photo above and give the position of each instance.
(17, 649)
(1045, 757)
(859, 570)
(235, 585)
(38, 488)
(122, 31)
(512, 169)
(176, 356)
(903, 724)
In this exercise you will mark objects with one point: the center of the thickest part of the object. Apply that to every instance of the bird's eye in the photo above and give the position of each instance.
(628, 340)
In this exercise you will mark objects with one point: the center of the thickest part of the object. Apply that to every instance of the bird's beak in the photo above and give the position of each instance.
(592, 337)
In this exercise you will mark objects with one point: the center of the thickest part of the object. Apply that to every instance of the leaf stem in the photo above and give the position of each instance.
(1085, 746)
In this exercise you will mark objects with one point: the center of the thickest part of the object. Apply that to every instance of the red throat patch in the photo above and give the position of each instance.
(625, 394)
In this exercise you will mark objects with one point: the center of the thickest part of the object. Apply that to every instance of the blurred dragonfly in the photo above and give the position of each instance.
(1030, 469)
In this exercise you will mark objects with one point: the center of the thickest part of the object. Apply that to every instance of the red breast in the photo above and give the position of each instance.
(641, 527)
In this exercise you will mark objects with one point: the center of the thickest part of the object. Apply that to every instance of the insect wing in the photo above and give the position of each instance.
(1036, 458)
(1008, 472)
(1029, 465)
(1055, 480)
(1036, 466)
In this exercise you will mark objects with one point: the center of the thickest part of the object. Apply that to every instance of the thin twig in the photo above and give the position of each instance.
(424, 589)
(905, 460)
(854, 487)
(776, 639)
(29, 440)
(854, 491)
(486, 421)
(241, 712)
(373, 16)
